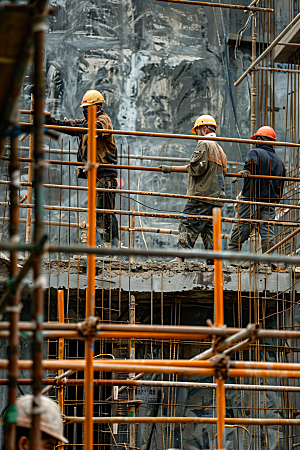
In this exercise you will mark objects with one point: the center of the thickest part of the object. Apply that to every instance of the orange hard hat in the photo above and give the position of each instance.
(265, 131)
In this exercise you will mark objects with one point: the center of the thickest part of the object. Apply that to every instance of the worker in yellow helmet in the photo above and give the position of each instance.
(206, 171)
(106, 224)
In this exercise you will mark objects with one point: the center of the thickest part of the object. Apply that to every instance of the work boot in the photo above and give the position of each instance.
(210, 262)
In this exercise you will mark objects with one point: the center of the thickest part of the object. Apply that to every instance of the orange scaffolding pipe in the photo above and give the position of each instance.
(219, 321)
(90, 292)
(61, 344)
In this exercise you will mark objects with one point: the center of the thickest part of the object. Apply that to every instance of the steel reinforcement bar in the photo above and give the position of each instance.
(178, 216)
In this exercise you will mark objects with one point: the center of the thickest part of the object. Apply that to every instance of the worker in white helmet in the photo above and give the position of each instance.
(206, 171)
(51, 424)
(106, 224)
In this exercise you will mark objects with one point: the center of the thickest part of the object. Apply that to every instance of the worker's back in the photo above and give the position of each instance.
(263, 161)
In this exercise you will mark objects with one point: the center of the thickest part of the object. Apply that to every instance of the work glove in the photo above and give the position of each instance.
(111, 158)
(166, 169)
(244, 174)
(47, 116)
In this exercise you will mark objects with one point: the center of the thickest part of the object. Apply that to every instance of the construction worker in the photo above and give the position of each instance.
(206, 170)
(260, 160)
(106, 224)
(51, 424)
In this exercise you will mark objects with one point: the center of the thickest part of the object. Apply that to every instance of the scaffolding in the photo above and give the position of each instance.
(93, 352)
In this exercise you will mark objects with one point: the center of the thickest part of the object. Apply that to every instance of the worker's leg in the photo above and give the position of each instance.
(111, 222)
(100, 204)
(107, 224)
(190, 229)
(207, 231)
(240, 231)
(266, 230)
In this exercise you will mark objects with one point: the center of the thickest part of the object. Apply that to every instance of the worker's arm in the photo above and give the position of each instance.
(199, 160)
(49, 120)
(169, 169)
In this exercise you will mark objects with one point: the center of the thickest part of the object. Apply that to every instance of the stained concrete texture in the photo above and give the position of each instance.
(190, 276)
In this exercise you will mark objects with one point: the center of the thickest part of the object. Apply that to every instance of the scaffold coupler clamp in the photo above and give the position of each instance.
(221, 365)
(89, 326)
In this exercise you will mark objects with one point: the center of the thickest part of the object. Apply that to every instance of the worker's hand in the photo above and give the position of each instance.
(244, 174)
(166, 169)
(111, 158)
(47, 116)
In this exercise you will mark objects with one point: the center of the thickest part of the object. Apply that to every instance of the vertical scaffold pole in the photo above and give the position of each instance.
(90, 292)
(61, 345)
(219, 320)
(14, 300)
(39, 28)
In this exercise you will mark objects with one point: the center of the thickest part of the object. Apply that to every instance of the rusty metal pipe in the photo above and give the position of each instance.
(165, 135)
(274, 69)
(220, 5)
(207, 420)
(161, 215)
(14, 298)
(160, 194)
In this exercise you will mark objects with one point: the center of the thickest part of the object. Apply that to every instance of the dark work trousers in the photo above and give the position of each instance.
(190, 229)
(240, 232)
(107, 223)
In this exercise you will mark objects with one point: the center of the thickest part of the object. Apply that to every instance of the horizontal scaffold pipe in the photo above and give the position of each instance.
(207, 420)
(161, 194)
(124, 335)
(100, 366)
(173, 216)
(220, 5)
(152, 169)
(164, 135)
(126, 156)
(164, 329)
(136, 383)
(275, 69)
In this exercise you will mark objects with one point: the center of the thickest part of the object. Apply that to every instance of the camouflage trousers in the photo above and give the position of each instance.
(107, 224)
(190, 229)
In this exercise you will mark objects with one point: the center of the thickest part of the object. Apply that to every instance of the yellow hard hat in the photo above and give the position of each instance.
(50, 416)
(92, 98)
(204, 120)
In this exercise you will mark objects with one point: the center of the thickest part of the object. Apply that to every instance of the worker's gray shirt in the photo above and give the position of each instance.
(206, 170)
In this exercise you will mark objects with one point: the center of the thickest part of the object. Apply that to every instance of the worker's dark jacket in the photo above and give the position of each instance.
(206, 170)
(263, 161)
(106, 145)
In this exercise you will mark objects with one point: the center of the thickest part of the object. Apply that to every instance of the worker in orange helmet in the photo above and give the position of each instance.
(260, 160)
(106, 224)
(51, 424)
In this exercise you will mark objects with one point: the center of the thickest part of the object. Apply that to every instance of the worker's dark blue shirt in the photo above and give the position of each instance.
(263, 161)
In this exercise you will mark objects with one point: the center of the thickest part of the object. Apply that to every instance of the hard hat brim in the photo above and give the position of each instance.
(25, 423)
(91, 104)
(253, 138)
